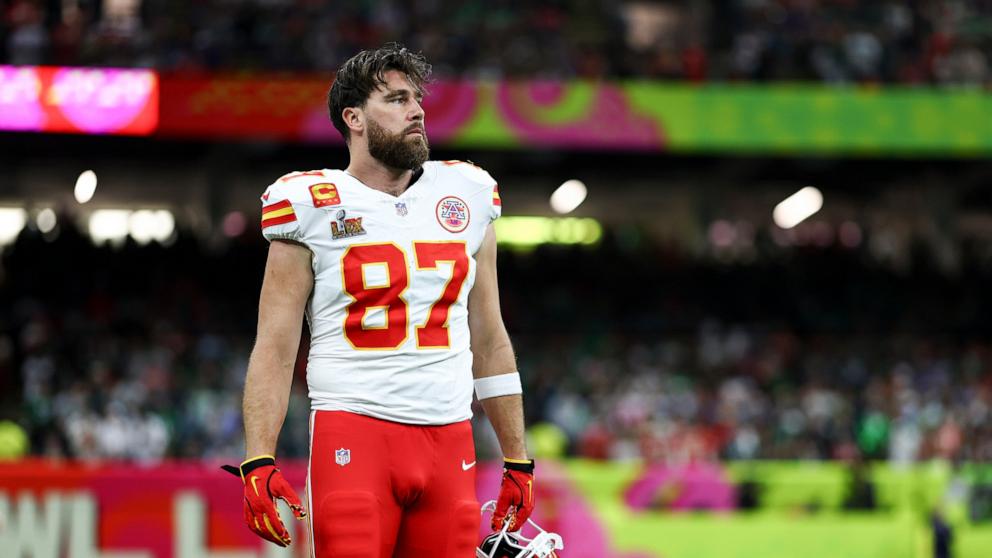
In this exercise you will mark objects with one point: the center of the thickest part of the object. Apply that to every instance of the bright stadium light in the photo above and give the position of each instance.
(568, 196)
(46, 220)
(165, 225)
(146, 225)
(141, 226)
(798, 207)
(85, 186)
(109, 225)
(12, 220)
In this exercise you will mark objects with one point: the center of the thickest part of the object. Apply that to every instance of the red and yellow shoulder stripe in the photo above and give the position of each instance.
(496, 200)
(453, 162)
(277, 214)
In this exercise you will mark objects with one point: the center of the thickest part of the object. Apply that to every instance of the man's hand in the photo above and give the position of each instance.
(263, 484)
(516, 494)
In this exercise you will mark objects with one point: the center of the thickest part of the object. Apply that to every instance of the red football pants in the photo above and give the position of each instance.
(381, 489)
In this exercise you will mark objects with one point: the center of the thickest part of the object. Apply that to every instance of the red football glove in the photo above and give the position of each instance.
(263, 484)
(516, 494)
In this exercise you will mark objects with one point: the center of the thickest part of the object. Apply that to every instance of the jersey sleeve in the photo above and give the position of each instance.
(280, 217)
(496, 209)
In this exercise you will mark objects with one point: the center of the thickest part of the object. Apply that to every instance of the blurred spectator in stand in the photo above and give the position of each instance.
(27, 38)
(942, 42)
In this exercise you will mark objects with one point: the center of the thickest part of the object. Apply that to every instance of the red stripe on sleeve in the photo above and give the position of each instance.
(278, 205)
(278, 220)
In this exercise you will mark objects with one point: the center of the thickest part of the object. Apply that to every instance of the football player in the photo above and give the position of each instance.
(393, 263)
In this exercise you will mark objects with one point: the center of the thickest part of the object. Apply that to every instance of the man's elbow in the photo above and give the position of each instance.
(274, 353)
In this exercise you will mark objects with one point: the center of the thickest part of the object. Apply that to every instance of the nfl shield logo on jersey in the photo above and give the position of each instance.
(342, 457)
(401, 209)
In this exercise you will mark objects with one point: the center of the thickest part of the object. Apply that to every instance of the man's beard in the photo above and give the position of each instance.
(394, 150)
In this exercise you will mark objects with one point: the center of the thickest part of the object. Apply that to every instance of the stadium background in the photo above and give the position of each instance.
(700, 380)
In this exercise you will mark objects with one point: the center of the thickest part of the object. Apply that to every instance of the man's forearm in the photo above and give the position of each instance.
(266, 398)
(506, 414)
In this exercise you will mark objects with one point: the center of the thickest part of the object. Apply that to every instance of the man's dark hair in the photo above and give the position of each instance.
(363, 73)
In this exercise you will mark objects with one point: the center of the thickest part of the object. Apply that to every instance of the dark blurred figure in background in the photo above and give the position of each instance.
(861, 489)
(943, 536)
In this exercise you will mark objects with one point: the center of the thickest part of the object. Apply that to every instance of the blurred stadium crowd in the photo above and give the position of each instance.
(836, 41)
(630, 349)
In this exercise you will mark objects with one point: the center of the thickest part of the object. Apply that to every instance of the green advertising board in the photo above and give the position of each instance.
(784, 525)
(759, 119)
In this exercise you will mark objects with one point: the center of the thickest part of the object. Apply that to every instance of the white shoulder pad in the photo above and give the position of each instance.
(302, 187)
(481, 182)
(471, 171)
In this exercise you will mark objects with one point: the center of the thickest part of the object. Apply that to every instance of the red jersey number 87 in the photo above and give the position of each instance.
(433, 333)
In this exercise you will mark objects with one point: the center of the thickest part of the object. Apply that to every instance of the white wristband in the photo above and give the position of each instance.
(500, 384)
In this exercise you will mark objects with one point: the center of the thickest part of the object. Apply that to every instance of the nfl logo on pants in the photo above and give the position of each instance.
(342, 457)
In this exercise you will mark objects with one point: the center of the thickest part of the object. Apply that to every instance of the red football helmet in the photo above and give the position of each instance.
(506, 544)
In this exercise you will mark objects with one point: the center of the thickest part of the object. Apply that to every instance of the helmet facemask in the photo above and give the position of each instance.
(510, 544)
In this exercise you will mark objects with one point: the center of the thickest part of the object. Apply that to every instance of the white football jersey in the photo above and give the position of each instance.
(389, 310)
